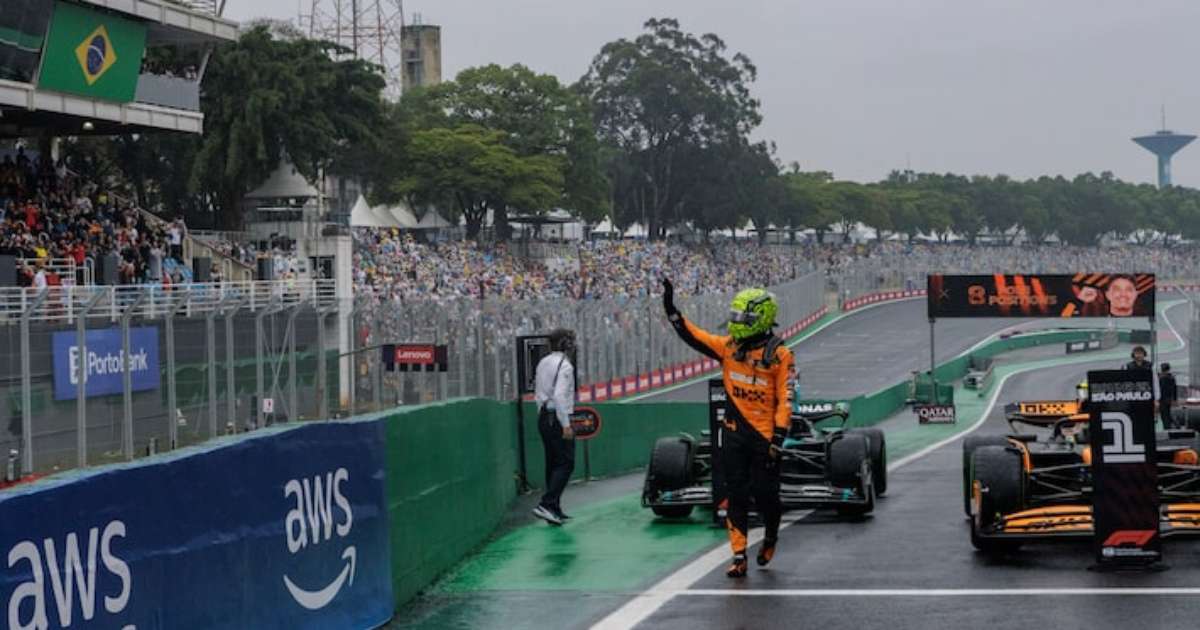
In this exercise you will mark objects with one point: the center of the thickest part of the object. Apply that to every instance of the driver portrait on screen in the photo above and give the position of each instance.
(1121, 296)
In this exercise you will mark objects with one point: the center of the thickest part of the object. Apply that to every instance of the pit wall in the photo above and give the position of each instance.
(330, 524)
(282, 528)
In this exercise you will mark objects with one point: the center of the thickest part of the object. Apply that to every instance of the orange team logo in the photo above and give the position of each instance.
(96, 54)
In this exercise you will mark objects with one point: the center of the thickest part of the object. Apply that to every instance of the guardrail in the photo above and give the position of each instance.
(65, 268)
(66, 303)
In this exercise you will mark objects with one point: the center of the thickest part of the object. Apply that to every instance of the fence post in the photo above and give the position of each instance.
(479, 343)
(231, 366)
(322, 376)
(293, 402)
(259, 380)
(172, 385)
(127, 378)
(81, 376)
(354, 354)
(26, 383)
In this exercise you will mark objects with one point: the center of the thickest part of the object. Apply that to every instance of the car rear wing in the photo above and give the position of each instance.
(1041, 412)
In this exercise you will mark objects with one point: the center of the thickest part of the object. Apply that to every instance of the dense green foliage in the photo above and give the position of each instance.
(658, 131)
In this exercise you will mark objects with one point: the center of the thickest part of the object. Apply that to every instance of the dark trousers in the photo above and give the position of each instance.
(560, 459)
(1164, 413)
(749, 472)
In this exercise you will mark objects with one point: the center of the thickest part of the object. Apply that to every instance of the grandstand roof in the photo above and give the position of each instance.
(166, 104)
(170, 22)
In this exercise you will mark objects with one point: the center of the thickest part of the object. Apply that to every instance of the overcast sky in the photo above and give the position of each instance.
(859, 87)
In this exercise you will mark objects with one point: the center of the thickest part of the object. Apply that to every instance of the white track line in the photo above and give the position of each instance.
(951, 592)
(645, 604)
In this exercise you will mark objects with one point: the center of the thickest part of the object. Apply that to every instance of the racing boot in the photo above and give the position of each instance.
(766, 552)
(737, 568)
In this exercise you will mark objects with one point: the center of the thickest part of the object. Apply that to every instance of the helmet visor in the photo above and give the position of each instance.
(742, 317)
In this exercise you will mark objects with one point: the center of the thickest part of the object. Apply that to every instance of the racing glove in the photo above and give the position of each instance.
(669, 300)
(777, 441)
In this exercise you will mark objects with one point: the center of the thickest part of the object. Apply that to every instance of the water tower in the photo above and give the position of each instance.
(1164, 144)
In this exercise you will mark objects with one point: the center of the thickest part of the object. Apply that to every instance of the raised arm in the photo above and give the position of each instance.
(699, 339)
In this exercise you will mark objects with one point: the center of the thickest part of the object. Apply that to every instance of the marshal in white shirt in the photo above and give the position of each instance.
(557, 394)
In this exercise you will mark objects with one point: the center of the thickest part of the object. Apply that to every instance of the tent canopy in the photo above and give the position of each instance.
(361, 215)
(284, 183)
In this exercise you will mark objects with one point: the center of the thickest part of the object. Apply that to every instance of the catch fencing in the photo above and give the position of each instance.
(617, 339)
(201, 359)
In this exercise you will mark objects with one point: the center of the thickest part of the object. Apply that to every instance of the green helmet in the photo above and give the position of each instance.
(752, 313)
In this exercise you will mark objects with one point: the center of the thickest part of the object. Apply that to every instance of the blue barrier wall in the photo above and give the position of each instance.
(285, 529)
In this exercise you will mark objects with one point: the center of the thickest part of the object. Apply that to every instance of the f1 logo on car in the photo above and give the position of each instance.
(1135, 537)
(1123, 450)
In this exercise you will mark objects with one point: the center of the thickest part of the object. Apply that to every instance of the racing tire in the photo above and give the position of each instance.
(878, 451)
(672, 511)
(670, 464)
(847, 457)
(999, 470)
(970, 444)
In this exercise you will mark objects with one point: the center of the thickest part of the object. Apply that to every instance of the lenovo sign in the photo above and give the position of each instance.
(415, 357)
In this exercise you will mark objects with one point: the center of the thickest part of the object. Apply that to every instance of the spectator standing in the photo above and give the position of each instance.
(175, 238)
(39, 278)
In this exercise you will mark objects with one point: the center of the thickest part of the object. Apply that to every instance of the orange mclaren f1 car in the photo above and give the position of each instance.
(1037, 486)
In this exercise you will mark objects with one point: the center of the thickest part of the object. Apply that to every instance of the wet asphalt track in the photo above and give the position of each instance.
(877, 347)
(917, 540)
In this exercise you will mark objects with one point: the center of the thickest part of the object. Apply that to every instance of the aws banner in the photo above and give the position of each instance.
(283, 530)
(92, 53)
(1042, 295)
(105, 363)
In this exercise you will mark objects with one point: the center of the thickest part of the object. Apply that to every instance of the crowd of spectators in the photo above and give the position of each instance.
(896, 264)
(395, 265)
(48, 213)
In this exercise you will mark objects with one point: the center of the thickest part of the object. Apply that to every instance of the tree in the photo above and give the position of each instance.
(809, 201)
(265, 99)
(471, 168)
(536, 116)
(659, 99)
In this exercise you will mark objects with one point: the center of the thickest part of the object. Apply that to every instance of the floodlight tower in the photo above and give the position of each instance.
(1164, 144)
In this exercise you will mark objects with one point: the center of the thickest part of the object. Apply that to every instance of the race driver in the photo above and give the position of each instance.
(755, 366)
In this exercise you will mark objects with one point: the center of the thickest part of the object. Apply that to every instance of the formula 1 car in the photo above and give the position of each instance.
(820, 467)
(1027, 487)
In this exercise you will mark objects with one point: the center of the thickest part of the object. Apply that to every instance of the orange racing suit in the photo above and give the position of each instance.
(761, 413)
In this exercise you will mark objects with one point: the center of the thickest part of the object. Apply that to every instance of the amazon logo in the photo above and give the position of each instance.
(320, 517)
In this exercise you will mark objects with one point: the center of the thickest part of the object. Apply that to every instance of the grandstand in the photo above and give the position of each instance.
(85, 272)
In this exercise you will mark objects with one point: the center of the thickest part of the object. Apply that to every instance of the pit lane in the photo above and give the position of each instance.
(875, 347)
(912, 564)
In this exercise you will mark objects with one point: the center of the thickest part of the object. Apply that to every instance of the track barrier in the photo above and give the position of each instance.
(290, 510)
(282, 528)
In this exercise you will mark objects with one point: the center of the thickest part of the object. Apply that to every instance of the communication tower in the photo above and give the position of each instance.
(370, 29)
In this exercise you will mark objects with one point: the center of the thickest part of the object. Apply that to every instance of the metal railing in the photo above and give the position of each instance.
(277, 364)
(65, 268)
(617, 338)
(66, 303)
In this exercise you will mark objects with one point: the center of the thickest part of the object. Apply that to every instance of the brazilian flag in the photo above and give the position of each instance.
(92, 53)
